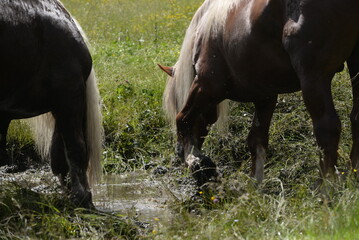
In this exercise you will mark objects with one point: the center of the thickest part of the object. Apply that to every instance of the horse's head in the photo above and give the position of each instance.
(169, 70)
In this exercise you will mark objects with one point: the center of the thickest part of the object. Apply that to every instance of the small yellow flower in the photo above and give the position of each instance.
(355, 170)
(212, 198)
(154, 232)
(201, 193)
(343, 173)
(156, 219)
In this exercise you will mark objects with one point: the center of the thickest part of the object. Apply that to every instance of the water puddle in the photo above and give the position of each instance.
(134, 194)
(137, 195)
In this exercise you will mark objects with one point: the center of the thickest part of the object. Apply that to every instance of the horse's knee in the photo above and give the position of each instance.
(257, 137)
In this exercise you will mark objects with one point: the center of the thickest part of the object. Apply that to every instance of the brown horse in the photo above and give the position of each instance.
(253, 50)
(46, 67)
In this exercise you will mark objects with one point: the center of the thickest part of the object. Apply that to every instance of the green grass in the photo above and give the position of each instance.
(128, 39)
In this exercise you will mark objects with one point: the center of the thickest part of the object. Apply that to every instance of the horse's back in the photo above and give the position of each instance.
(41, 53)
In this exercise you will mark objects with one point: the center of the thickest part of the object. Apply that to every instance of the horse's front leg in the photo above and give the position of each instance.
(192, 126)
(258, 135)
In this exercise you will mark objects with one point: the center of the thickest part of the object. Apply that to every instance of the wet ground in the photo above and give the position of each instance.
(140, 195)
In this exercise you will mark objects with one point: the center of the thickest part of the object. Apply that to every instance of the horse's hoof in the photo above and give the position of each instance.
(203, 170)
(4, 161)
(82, 199)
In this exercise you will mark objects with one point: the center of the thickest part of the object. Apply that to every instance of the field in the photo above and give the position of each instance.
(128, 39)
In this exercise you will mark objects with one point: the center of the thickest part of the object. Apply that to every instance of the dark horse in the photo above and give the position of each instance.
(46, 67)
(253, 50)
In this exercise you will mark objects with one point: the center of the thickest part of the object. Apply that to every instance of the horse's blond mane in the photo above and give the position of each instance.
(214, 18)
(208, 21)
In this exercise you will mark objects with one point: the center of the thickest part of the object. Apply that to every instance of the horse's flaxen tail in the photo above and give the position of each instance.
(178, 86)
(94, 129)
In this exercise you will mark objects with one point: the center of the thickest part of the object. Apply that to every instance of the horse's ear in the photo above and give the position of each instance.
(168, 70)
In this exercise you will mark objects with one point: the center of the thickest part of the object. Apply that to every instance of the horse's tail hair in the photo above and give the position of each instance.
(178, 85)
(94, 129)
(43, 127)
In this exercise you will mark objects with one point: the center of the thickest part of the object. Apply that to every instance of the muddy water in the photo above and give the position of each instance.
(134, 194)
(138, 194)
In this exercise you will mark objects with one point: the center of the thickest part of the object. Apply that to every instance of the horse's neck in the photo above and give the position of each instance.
(293, 9)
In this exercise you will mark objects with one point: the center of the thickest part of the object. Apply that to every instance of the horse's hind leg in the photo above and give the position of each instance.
(316, 63)
(353, 65)
(316, 90)
(258, 135)
(4, 125)
(69, 116)
(192, 122)
(59, 164)
(318, 99)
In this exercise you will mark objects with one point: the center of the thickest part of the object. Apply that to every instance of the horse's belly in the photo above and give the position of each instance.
(22, 103)
(254, 88)
(261, 71)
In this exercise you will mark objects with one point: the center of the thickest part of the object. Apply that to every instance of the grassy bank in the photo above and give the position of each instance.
(128, 39)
